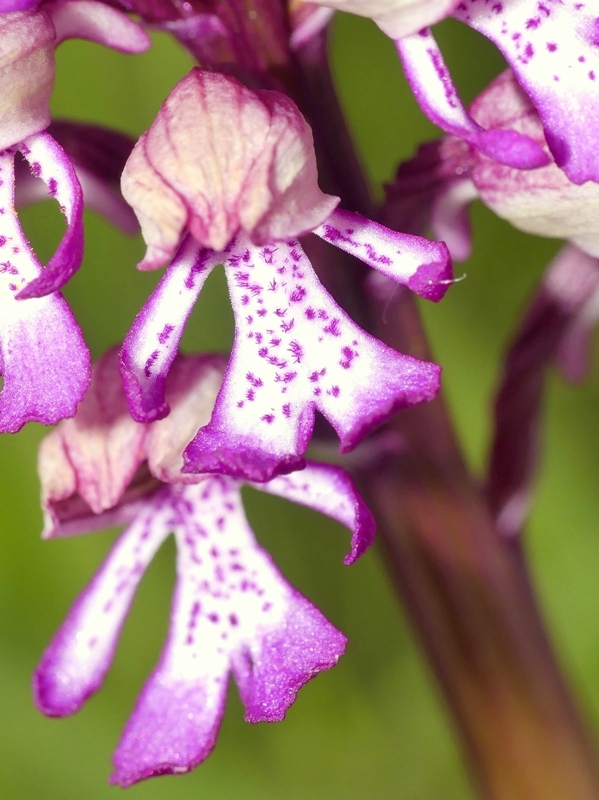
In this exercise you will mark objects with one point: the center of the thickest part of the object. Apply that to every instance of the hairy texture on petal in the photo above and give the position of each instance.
(152, 343)
(75, 663)
(396, 17)
(433, 88)
(26, 74)
(98, 22)
(43, 359)
(221, 158)
(296, 351)
(552, 48)
(330, 490)
(231, 608)
(570, 284)
(49, 162)
(543, 201)
(423, 266)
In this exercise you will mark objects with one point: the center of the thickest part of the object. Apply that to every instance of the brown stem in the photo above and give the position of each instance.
(469, 598)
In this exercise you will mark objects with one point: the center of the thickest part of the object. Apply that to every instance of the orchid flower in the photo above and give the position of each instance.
(552, 48)
(44, 361)
(233, 172)
(436, 187)
(447, 176)
(28, 39)
(232, 611)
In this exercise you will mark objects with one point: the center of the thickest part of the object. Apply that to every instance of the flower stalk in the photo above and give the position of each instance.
(469, 597)
(467, 590)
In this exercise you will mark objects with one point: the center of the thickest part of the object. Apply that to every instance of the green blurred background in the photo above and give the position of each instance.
(373, 726)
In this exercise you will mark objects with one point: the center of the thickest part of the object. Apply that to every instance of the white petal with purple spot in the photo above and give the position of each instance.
(422, 265)
(232, 608)
(433, 88)
(44, 362)
(76, 661)
(296, 351)
(552, 48)
(330, 490)
(151, 345)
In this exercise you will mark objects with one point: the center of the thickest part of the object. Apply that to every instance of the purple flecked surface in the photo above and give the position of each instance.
(49, 162)
(152, 343)
(552, 48)
(422, 265)
(232, 610)
(296, 351)
(286, 659)
(433, 88)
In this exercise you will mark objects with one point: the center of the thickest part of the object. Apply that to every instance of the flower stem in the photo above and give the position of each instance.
(466, 590)
(469, 597)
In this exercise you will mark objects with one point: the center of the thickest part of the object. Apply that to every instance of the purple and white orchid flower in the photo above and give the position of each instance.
(551, 47)
(232, 612)
(28, 39)
(44, 361)
(436, 188)
(447, 175)
(236, 170)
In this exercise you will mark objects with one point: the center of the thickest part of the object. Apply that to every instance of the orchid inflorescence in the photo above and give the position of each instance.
(161, 442)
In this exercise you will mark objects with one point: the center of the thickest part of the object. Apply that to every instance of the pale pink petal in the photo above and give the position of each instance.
(26, 74)
(449, 217)
(307, 21)
(231, 608)
(434, 90)
(422, 265)
(396, 18)
(330, 490)
(104, 445)
(552, 48)
(193, 383)
(76, 661)
(151, 345)
(98, 22)
(544, 201)
(296, 351)
(220, 158)
(49, 162)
